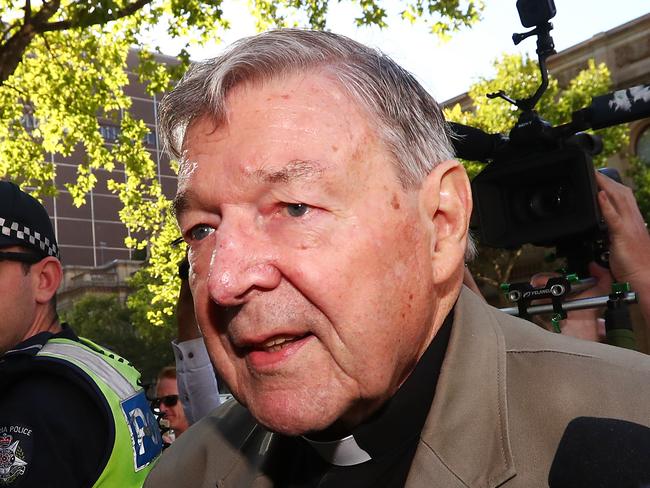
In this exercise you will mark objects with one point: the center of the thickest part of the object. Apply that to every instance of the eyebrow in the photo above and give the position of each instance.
(182, 201)
(298, 169)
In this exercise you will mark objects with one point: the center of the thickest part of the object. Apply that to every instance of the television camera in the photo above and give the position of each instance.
(539, 186)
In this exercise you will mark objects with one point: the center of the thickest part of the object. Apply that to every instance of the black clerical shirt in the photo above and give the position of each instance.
(390, 437)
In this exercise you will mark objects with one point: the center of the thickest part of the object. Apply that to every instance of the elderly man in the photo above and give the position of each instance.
(72, 414)
(327, 227)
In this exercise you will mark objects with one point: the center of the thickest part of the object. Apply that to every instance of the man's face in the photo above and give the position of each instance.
(174, 413)
(310, 264)
(17, 306)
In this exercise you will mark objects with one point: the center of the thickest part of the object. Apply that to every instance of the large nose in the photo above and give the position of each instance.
(242, 261)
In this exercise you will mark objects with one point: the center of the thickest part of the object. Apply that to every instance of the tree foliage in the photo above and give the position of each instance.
(519, 77)
(63, 72)
(109, 323)
(640, 175)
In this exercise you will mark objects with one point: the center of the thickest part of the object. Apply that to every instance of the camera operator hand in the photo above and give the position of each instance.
(583, 324)
(629, 239)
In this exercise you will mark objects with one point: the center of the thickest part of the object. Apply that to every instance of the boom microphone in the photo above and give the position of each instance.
(602, 453)
(618, 107)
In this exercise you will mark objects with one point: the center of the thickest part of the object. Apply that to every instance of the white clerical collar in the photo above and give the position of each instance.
(342, 452)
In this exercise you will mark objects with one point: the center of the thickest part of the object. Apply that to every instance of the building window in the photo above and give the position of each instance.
(29, 121)
(643, 146)
(150, 139)
(110, 133)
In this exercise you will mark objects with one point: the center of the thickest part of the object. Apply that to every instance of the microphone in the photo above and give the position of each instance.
(614, 108)
(602, 453)
(473, 144)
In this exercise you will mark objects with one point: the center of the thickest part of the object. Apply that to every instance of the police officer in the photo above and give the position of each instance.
(71, 413)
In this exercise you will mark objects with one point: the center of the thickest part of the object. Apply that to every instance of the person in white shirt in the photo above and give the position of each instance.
(197, 383)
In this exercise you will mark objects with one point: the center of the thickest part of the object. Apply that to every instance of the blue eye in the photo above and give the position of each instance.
(297, 209)
(200, 232)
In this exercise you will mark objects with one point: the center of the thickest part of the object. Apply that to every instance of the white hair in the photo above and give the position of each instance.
(408, 120)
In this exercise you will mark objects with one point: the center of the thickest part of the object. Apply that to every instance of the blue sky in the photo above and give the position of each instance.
(448, 69)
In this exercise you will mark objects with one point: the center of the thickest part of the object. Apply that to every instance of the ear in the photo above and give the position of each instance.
(47, 276)
(446, 199)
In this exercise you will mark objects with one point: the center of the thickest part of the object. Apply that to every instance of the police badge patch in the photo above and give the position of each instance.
(15, 452)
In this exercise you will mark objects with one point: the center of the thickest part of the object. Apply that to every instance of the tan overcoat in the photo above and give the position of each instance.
(506, 392)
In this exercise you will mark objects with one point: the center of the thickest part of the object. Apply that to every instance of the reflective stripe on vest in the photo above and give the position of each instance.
(137, 436)
(95, 363)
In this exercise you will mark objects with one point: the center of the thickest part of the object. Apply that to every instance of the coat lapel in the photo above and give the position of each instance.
(465, 441)
(428, 470)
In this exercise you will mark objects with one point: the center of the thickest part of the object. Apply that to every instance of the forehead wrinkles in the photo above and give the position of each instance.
(346, 131)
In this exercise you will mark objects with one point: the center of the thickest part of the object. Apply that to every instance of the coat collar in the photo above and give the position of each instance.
(465, 440)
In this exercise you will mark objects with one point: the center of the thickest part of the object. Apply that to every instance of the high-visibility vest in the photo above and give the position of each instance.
(137, 441)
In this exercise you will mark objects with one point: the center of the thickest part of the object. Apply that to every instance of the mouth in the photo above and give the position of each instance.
(272, 351)
(277, 343)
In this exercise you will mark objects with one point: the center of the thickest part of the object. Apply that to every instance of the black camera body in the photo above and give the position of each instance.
(542, 198)
(539, 185)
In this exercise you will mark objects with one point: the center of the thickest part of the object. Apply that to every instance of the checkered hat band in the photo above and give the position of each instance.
(31, 237)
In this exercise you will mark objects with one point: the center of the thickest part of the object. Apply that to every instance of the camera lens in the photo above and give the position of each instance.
(547, 201)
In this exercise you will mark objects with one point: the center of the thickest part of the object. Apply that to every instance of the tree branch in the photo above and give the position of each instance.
(511, 263)
(7, 29)
(487, 281)
(49, 50)
(11, 51)
(18, 90)
(44, 14)
(497, 268)
(70, 24)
